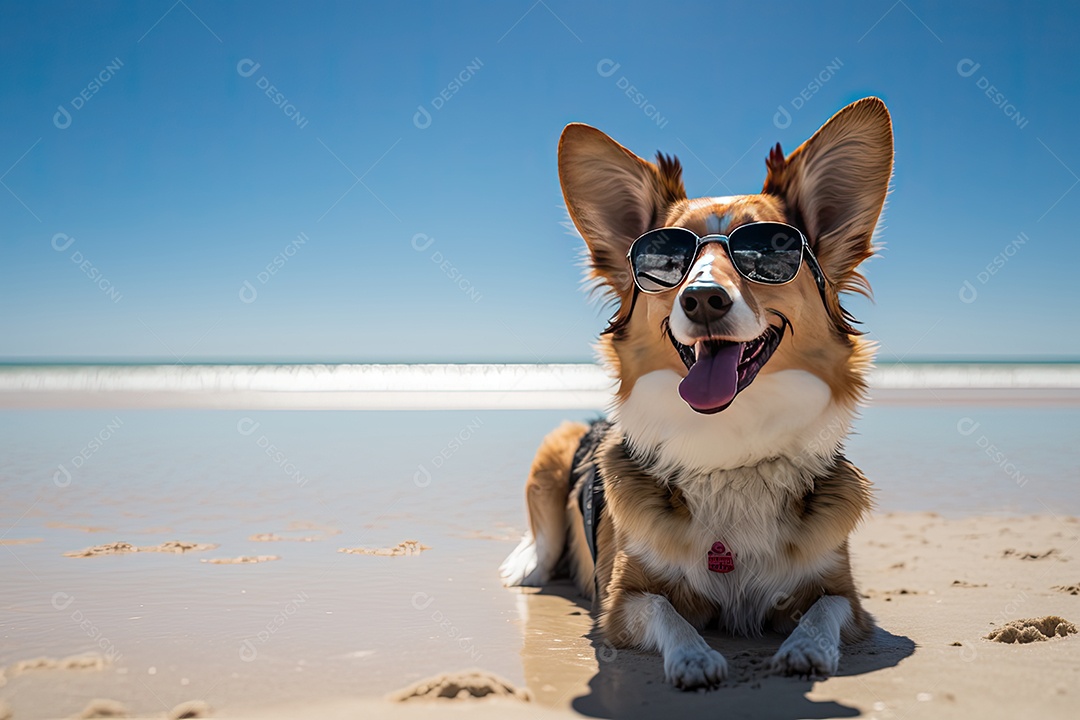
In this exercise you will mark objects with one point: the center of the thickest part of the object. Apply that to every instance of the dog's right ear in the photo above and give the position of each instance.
(613, 197)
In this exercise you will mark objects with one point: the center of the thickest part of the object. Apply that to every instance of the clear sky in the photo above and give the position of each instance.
(400, 176)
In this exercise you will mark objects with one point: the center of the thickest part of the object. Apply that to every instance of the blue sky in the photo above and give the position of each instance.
(150, 178)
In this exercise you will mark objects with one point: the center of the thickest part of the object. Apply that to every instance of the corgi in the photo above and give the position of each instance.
(717, 491)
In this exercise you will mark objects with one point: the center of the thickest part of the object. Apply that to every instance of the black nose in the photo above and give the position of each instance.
(704, 303)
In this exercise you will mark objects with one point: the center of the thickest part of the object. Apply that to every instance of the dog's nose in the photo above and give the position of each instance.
(704, 303)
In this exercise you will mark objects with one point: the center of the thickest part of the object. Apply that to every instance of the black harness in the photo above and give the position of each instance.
(591, 494)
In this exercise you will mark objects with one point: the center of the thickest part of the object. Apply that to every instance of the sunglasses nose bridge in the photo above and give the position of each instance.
(705, 267)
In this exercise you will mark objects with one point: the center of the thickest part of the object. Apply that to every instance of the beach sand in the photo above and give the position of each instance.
(430, 503)
(938, 588)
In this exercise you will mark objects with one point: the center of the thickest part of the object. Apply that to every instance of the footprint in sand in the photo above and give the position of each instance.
(123, 548)
(460, 686)
(103, 708)
(75, 662)
(1032, 630)
(1073, 589)
(408, 547)
(191, 709)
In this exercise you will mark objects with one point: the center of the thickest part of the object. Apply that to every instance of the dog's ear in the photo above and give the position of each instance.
(613, 197)
(835, 185)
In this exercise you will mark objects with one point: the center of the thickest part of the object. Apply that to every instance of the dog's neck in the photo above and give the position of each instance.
(786, 424)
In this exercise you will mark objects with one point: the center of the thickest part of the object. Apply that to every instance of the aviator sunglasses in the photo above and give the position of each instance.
(769, 253)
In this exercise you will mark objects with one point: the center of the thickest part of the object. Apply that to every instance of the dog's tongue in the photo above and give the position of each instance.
(714, 379)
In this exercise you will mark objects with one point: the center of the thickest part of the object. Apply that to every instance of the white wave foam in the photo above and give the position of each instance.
(451, 386)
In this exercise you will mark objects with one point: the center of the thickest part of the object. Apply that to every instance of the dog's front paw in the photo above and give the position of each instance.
(691, 668)
(805, 656)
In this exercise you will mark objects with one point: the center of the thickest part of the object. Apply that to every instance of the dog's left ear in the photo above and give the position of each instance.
(835, 185)
(613, 197)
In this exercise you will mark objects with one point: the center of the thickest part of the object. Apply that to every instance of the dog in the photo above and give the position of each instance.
(717, 492)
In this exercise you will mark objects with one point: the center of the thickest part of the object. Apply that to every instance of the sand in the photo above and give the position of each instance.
(406, 547)
(940, 590)
(124, 548)
(75, 662)
(464, 685)
(104, 708)
(1032, 630)
(191, 709)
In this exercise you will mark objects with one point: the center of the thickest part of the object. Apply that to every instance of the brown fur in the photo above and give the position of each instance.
(548, 485)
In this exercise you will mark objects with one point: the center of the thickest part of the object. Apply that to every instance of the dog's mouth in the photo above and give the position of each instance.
(718, 370)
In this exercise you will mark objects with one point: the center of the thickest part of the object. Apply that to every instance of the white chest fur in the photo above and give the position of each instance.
(740, 471)
(786, 414)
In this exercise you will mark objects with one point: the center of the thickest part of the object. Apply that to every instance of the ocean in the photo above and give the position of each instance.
(954, 438)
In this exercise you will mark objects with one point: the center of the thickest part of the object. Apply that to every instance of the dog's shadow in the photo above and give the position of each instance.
(602, 682)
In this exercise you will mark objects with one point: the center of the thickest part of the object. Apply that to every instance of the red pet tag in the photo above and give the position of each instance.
(720, 558)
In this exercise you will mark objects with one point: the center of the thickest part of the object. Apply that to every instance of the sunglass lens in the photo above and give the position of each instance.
(766, 252)
(660, 258)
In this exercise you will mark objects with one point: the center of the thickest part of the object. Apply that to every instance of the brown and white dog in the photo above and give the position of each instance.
(739, 517)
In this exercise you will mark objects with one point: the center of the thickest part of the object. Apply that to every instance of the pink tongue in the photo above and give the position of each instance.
(713, 380)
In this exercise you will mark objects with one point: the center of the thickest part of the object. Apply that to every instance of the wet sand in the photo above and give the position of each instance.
(940, 589)
(323, 633)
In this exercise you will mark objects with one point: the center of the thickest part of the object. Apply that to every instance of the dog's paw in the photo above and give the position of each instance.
(693, 668)
(521, 568)
(804, 656)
